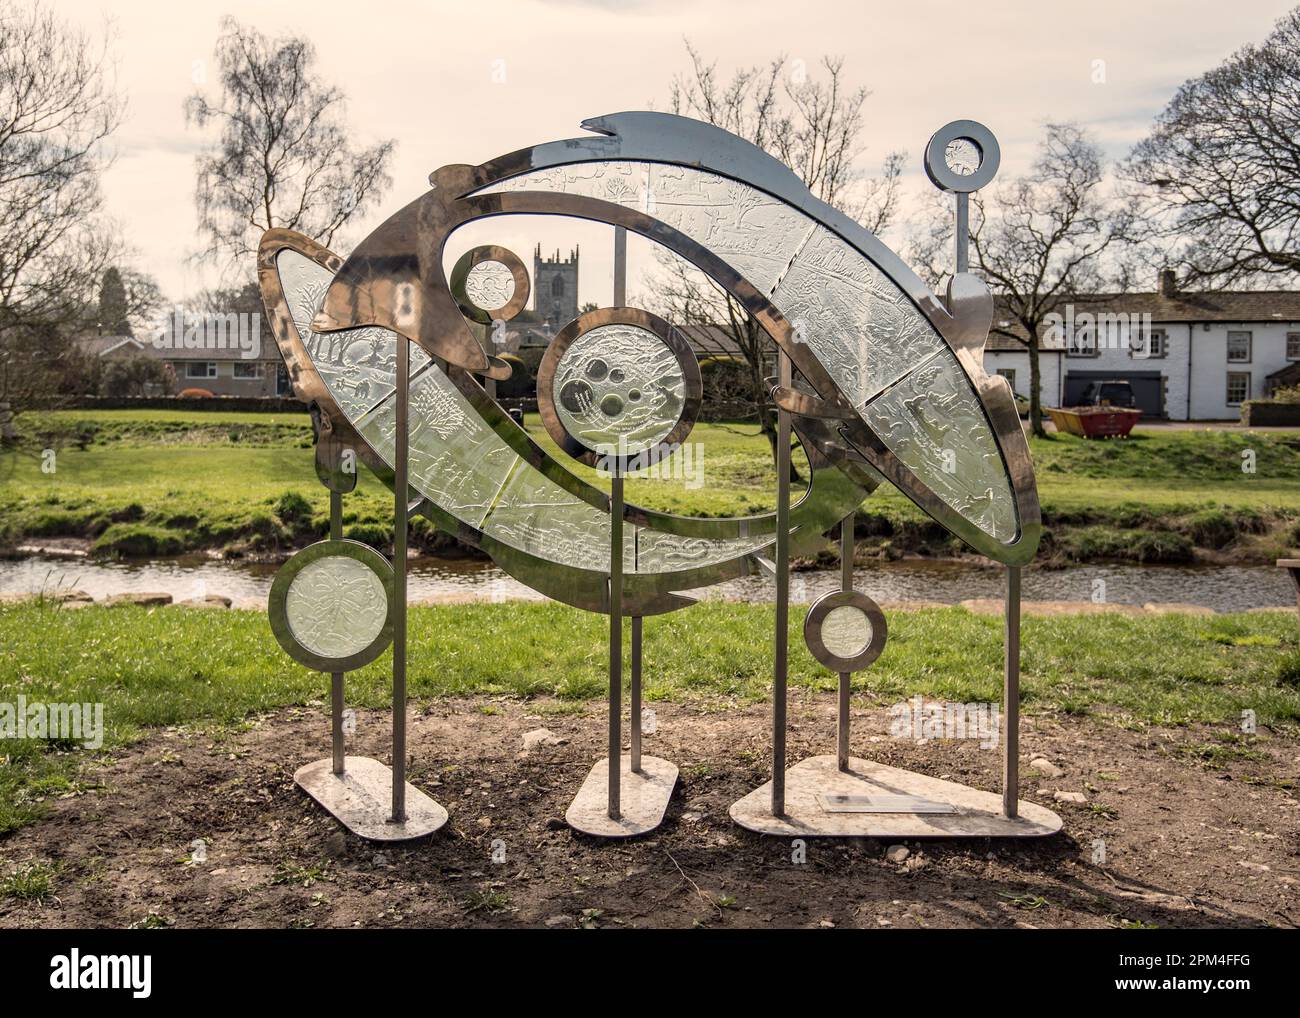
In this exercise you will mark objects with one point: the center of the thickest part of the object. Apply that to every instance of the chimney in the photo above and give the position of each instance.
(1168, 283)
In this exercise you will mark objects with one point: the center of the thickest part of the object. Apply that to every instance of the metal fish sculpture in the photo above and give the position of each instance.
(894, 385)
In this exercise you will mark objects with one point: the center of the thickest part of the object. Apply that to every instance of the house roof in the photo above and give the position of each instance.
(99, 346)
(1245, 306)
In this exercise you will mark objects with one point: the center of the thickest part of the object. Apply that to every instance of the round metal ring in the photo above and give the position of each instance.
(815, 637)
(603, 454)
(945, 177)
(480, 256)
(278, 605)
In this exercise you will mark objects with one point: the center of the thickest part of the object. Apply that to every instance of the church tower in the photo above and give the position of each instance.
(555, 287)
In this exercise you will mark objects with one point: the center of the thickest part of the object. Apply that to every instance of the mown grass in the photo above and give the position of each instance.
(173, 666)
(157, 482)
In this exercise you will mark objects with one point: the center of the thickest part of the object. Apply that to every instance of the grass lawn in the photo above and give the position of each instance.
(176, 666)
(161, 482)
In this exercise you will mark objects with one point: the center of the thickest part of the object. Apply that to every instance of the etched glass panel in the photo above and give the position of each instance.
(846, 631)
(622, 183)
(336, 606)
(753, 232)
(660, 552)
(358, 366)
(537, 516)
(490, 285)
(619, 386)
(456, 459)
(933, 422)
(863, 329)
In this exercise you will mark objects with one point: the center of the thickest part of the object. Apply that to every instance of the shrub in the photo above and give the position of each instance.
(292, 508)
(138, 540)
(1211, 528)
(522, 384)
(194, 394)
(1162, 547)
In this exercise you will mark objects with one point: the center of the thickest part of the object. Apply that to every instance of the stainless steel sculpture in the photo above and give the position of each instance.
(891, 382)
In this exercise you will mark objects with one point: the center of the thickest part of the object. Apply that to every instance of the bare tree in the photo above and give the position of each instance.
(284, 156)
(814, 125)
(57, 108)
(1220, 171)
(1039, 241)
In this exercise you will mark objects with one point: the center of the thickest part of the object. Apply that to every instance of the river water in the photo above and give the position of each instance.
(1224, 588)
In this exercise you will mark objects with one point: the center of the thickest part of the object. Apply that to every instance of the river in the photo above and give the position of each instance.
(1224, 588)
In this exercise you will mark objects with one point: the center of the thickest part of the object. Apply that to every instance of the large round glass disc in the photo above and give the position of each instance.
(619, 387)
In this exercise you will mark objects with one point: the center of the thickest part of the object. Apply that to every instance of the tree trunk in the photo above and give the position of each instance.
(1035, 387)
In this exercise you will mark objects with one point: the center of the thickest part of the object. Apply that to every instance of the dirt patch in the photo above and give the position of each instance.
(1200, 830)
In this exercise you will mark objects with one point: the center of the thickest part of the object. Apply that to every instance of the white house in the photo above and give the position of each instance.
(1188, 356)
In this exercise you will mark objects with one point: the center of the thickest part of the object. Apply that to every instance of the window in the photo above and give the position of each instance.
(245, 369)
(1010, 375)
(1082, 342)
(1238, 387)
(1153, 343)
(201, 369)
(1239, 347)
(1293, 346)
(557, 286)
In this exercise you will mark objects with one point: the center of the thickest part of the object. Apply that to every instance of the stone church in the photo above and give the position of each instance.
(555, 302)
(555, 287)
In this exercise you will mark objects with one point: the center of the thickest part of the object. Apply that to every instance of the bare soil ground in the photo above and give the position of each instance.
(1198, 832)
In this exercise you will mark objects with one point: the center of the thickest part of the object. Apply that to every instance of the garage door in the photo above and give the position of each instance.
(1148, 387)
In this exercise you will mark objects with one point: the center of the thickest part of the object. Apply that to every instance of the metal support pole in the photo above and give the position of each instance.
(781, 660)
(615, 639)
(846, 583)
(489, 384)
(620, 267)
(1011, 698)
(336, 678)
(401, 444)
(963, 231)
(636, 694)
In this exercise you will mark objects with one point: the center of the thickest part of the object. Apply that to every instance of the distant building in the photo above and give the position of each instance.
(228, 355)
(1188, 355)
(555, 287)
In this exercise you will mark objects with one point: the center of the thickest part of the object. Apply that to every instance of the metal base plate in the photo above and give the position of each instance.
(643, 799)
(361, 798)
(870, 800)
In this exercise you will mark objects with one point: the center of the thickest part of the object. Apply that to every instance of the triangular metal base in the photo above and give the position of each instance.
(871, 800)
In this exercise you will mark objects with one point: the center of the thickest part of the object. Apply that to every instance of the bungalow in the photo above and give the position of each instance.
(226, 354)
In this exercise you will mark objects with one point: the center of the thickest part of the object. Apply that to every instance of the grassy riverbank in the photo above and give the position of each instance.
(193, 667)
(164, 482)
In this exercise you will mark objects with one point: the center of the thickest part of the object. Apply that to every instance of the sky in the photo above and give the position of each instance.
(461, 82)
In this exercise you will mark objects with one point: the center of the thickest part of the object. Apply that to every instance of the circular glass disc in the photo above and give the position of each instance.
(846, 631)
(336, 606)
(963, 156)
(490, 285)
(619, 386)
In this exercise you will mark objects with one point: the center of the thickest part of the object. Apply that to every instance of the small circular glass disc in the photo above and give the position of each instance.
(963, 156)
(846, 631)
(336, 606)
(490, 285)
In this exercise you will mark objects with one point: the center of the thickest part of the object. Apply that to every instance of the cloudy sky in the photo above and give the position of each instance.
(423, 73)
